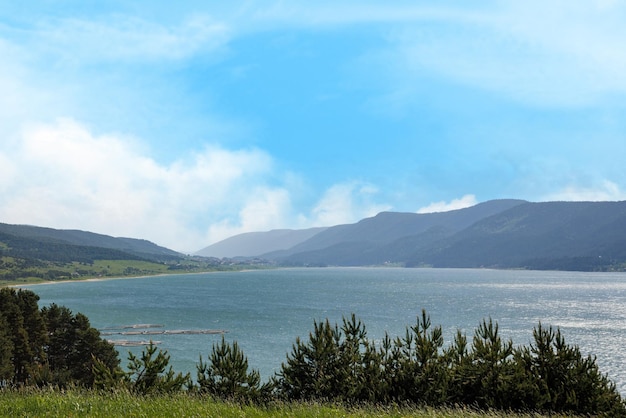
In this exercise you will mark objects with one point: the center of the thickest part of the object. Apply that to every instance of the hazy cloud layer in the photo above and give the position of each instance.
(62, 175)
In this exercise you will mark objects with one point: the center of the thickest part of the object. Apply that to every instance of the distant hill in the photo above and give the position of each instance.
(356, 244)
(551, 235)
(29, 254)
(496, 234)
(252, 244)
(25, 241)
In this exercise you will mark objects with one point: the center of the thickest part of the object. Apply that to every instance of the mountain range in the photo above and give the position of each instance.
(505, 233)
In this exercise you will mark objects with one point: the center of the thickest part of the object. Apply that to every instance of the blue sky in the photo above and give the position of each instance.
(185, 123)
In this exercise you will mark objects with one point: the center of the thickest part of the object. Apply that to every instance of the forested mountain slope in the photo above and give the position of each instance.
(49, 244)
(551, 235)
(370, 235)
(548, 235)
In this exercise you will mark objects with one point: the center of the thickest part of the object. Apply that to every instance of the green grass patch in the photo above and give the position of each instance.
(75, 403)
(117, 268)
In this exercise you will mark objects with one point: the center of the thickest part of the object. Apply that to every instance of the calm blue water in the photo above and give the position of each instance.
(265, 310)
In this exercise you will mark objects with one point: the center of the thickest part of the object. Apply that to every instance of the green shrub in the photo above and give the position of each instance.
(146, 374)
(340, 364)
(335, 364)
(226, 375)
(563, 380)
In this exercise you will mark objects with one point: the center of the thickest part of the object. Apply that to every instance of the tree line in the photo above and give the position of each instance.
(48, 346)
(52, 346)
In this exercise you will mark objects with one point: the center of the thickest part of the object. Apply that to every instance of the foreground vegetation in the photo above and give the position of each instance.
(80, 403)
(338, 365)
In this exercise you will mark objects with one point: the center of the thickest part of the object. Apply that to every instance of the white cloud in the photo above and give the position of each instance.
(605, 191)
(346, 203)
(264, 210)
(442, 206)
(64, 176)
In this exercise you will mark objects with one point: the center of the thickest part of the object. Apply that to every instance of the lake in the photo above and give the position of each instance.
(264, 310)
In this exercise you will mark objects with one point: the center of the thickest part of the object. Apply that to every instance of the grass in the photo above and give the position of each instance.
(76, 403)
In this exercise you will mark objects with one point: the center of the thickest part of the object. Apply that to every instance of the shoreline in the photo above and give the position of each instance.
(143, 276)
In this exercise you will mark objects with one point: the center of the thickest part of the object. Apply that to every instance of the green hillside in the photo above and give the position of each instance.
(31, 254)
(32, 236)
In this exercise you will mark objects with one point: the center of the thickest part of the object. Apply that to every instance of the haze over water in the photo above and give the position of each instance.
(266, 310)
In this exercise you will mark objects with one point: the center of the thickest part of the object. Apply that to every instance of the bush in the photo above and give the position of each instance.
(335, 364)
(146, 374)
(561, 379)
(226, 375)
(341, 364)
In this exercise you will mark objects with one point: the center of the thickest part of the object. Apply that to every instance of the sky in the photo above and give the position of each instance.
(188, 122)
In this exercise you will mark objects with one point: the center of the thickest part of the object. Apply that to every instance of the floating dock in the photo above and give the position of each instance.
(148, 329)
(130, 343)
(167, 332)
(134, 326)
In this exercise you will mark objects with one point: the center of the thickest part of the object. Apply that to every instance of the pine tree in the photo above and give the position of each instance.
(565, 379)
(420, 377)
(72, 347)
(226, 374)
(33, 324)
(311, 368)
(6, 352)
(26, 359)
(146, 374)
(490, 371)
